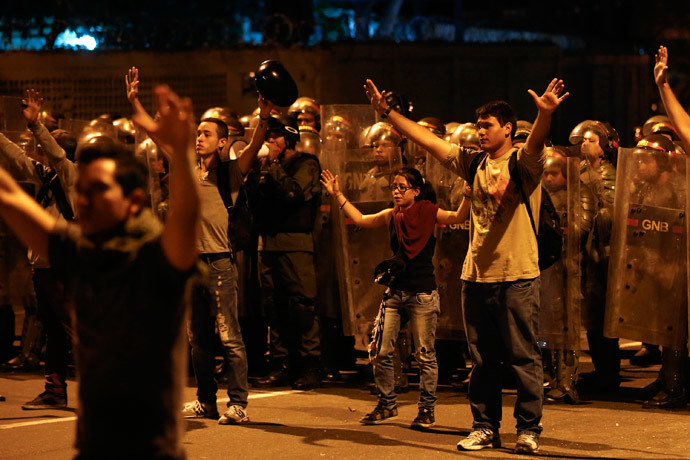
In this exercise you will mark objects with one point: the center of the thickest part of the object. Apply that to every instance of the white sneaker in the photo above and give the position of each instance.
(234, 415)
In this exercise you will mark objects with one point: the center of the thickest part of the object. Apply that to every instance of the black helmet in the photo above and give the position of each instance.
(275, 83)
(399, 102)
(290, 134)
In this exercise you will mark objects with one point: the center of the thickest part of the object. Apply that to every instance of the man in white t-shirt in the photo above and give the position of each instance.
(500, 295)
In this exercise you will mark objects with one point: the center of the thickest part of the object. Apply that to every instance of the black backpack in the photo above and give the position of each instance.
(549, 233)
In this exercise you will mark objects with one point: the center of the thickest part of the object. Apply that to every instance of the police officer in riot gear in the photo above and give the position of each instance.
(285, 204)
(599, 147)
(305, 111)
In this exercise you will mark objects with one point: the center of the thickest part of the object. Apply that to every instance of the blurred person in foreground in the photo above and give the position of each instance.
(126, 275)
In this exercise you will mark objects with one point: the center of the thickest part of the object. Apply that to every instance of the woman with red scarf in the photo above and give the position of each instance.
(410, 276)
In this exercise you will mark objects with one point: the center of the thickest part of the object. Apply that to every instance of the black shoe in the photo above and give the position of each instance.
(379, 415)
(664, 400)
(425, 419)
(46, 400)
(310, 380)
(30, 363)
(276, 378)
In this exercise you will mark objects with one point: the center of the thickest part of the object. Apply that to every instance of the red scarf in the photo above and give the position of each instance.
(414, 226)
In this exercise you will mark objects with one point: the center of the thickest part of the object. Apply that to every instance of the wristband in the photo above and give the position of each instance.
(386, 112)
(344, 203)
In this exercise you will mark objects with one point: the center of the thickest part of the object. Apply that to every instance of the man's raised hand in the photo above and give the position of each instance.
(661, 66)
(552, 97)
(173, 131)
(31, 104)
(132, 81)
(377, 99)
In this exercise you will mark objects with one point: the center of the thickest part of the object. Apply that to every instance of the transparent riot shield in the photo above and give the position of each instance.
(560, 297)
(451, 248)
(646, 296)
(148, 152)
(11, 117)
(363, 180)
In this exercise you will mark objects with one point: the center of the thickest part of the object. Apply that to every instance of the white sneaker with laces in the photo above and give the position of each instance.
(234, 415)
(480, 439)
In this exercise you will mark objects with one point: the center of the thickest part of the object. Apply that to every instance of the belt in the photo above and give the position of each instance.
(213, 256)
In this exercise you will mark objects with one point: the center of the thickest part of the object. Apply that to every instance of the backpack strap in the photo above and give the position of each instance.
(474, 166)
(223, 183)
(515, 176)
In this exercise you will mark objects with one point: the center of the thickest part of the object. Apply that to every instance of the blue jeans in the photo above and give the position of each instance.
(214, 305)
(421, 310)
(501, 321)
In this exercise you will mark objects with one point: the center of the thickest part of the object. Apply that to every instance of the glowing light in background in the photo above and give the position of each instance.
(76, 40)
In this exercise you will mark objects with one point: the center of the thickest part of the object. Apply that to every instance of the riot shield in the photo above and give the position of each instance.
(148, 152)
(357, 250)
(451, 248)
(560, 297)
(646, 296)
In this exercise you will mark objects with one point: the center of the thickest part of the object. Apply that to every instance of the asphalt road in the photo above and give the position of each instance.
(288, 424)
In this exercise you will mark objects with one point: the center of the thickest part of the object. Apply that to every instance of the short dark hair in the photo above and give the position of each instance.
(130, 172)
(503, 112)
(221, 127)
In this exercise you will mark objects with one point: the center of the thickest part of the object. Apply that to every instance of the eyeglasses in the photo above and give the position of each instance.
(399, 187)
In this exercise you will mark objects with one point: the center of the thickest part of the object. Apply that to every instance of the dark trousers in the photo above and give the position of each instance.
(288, 291)
(501, 321)
(50, 299)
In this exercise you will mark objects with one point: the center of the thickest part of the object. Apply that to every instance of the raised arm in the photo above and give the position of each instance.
(56, 156)
(417, 133)
(249, 153)
(675, 111)
(380, 219)
(25, 217)
(174, 132)
(132, 82)
(546, 104)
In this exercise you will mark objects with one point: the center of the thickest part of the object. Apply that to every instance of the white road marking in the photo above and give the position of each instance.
(268, 394)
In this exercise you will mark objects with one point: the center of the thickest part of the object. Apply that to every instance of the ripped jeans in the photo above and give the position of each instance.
(214, 305)
(421, 310)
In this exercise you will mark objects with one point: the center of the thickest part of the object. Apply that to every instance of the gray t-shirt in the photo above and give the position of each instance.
(213, 231)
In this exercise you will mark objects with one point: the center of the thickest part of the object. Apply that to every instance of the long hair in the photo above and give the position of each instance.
(415, 179)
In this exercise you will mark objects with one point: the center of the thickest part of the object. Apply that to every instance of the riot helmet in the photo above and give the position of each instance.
(305, 111)
(555, 169)
(466, 135)
(660, 124)
(222, 113)
(309, 140)
(338, 129)
(523, 130)
(434, 125)
(125, 130)
(608, 138)
(385, 142)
